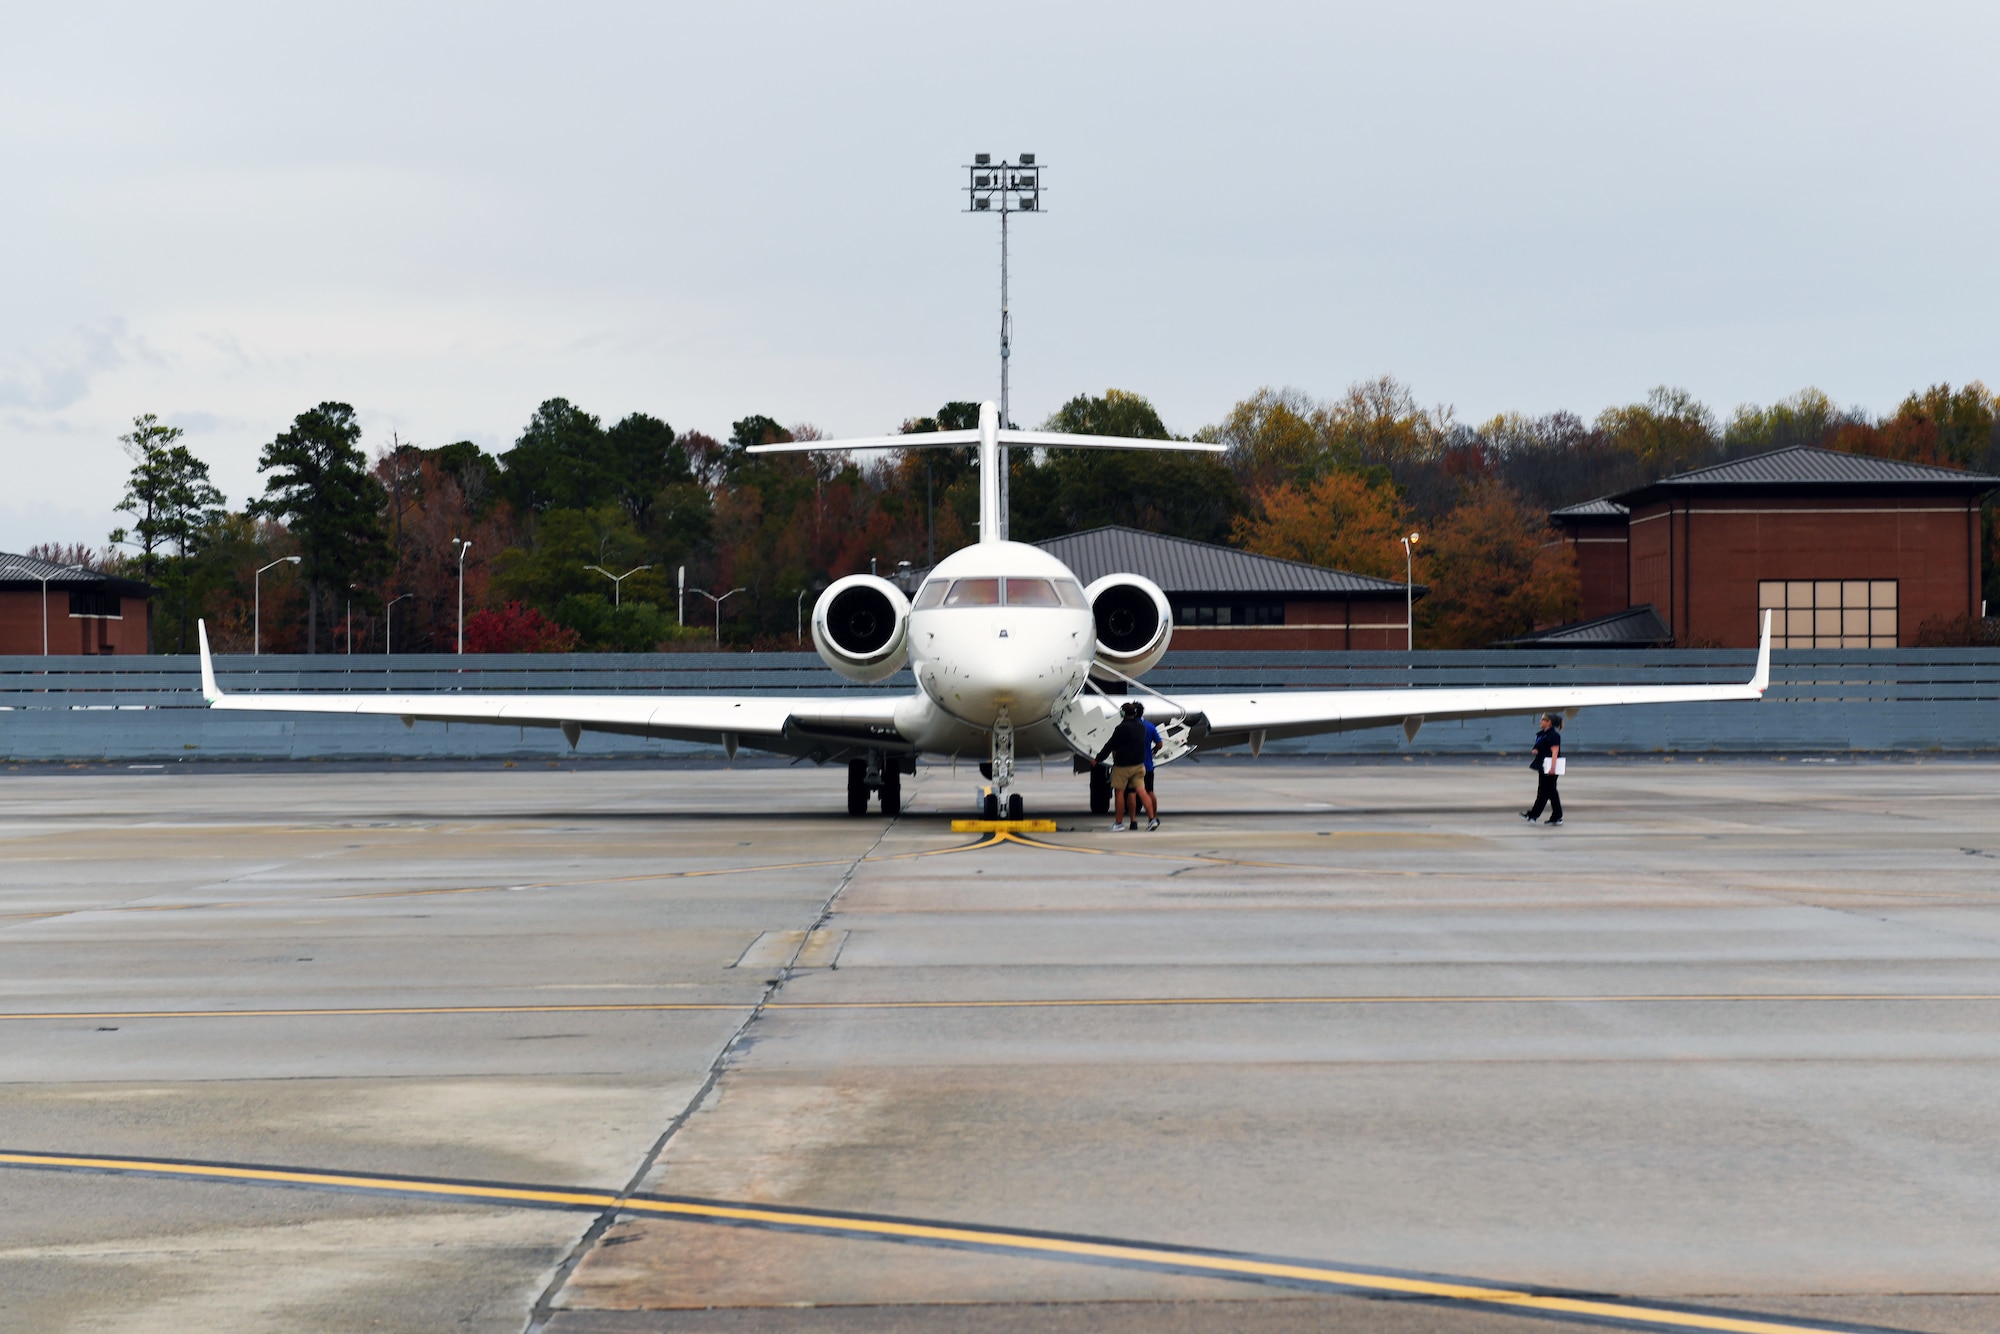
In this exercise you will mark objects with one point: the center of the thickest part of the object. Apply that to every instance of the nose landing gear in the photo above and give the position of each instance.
(1001, 770)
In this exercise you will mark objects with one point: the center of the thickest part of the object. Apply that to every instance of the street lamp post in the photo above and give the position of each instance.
(799, 613)
(257, 616)
(44, 578)
(1410, 593)
(389, 624)
(1003, 187)
(617, 580)
(463, 546)
(718, 601)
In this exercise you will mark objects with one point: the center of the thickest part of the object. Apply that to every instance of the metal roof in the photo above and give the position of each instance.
(1180, 565)
(1809, 467)
(1602, 508)
(1634, 627)
(28, 572)
(15, 568)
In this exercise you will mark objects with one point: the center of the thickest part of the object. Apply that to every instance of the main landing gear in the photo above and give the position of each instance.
(879, 772)
(1100, 789)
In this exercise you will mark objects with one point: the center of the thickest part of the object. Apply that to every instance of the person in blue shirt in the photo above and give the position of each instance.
(1153, 743)
(1548, 749)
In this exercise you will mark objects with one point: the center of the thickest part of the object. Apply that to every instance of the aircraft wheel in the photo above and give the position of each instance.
(892, 792)
(1014, 806)
(857, 787)
(1100, 790)
(990, 808)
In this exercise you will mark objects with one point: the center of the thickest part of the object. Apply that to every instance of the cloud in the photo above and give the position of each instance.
(59, 377)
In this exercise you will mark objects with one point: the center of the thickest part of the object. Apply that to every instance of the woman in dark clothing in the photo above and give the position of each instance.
(1548, 749)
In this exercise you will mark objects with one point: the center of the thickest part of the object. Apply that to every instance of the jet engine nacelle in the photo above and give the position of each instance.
(1134, 623)
(861, 627)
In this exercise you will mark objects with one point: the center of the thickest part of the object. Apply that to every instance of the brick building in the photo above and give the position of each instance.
(1848, 550)
(62, 609)
(1228, 599)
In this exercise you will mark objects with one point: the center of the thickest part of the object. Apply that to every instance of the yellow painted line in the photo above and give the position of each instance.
(366, 1011)
(1220, 1265)
(1029, 1003)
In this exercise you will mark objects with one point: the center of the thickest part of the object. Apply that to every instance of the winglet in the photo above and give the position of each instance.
(210, 691)
(1762, 680)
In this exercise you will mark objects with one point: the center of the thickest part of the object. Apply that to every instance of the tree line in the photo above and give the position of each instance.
(573, 538)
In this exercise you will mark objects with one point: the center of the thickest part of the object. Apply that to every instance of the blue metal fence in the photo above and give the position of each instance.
(150, 709)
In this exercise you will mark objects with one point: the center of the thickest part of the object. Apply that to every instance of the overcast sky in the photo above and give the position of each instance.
(444, 214)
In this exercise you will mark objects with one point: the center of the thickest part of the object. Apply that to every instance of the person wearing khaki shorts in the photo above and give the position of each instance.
(1126, 749)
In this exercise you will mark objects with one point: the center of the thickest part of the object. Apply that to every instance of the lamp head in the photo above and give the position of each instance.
(294, 559)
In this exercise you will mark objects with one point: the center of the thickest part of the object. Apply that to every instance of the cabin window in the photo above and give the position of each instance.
(1071, 593)
(974, 593)
(96, 605)
(1031, 593)
(930, 595)
(1829, 613)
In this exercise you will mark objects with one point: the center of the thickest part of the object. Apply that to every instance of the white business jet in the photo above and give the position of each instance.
(1008, 649)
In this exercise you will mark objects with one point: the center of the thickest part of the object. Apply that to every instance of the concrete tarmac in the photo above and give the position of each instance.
(1730, 1038)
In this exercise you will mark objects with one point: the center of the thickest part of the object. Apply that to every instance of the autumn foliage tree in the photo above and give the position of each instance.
(1495, 572)
(1344, 520)
(513, 628)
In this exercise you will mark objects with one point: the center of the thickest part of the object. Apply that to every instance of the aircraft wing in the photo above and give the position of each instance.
(1269, 715)
(816, 727)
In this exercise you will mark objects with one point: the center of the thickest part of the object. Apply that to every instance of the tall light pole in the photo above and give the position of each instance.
(799, 614)
(1003, 187)
(617, 580)
(718, 601)
(680, 600)
(45, 577)
(257, 616)
(463, 546)
(1410, 593)
(389, 626)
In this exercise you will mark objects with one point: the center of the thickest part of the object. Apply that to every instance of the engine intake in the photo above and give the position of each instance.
(1134, 623)
(861, 628)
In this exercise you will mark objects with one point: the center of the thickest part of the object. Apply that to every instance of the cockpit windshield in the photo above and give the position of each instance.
(1009, 592)
(1031, 593)
(974, 593)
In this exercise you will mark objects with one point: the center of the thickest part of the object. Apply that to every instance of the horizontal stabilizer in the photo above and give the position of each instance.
(941, 439)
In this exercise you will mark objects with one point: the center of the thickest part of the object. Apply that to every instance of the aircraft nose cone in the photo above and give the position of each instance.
(1011, 670)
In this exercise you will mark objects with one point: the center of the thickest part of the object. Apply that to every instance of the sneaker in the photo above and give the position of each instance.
(1529, 818)
(1134, 826)
(1554, 823)
(1118, 827)
(1152, 824)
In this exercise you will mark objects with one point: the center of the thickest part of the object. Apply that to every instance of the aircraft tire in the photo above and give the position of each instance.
(990, 808)
(857, 787)
(1100, 790)
(892, 792)
(1015, 806)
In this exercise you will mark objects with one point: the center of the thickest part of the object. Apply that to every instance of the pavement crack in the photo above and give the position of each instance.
(544, 1308)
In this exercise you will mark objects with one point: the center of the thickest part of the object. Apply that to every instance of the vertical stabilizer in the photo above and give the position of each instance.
(992, 477)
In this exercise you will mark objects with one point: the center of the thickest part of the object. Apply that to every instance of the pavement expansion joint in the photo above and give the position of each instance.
(1244, 1267)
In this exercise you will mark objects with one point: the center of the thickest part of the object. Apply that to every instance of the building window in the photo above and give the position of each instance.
(96, 605)
(1230, 612)
(1829, 613)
